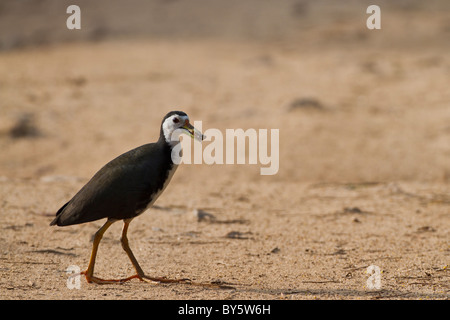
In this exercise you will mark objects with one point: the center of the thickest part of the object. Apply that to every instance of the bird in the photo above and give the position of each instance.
(124, 188)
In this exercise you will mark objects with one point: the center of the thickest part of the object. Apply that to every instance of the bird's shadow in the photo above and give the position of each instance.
(381, 294)
(325, 293)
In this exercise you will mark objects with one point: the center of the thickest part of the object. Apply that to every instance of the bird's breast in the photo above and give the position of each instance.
(155, 195)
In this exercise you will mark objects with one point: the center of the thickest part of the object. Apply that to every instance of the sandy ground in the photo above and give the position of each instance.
(364, 175)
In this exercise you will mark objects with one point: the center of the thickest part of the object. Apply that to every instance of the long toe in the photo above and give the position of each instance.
(165, 280)
(102, 281)
(140, 277)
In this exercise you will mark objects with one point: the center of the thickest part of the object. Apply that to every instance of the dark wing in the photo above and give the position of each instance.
(120, 190)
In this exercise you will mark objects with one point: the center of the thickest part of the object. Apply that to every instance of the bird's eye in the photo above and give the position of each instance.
(176, 120)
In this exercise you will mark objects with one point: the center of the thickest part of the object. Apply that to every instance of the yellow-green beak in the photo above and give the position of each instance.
(194, 133)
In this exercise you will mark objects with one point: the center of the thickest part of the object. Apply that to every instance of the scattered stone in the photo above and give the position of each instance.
(425, 229)
(238, 235)
(352, 210)
(203, 216)
(275, 250)
(25, 127)
(306, 104)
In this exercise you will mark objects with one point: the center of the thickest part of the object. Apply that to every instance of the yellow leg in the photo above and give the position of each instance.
(139, 272)
(126, 247)
(89, 273)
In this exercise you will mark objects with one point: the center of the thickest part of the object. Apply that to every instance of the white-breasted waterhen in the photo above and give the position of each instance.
(125, 187)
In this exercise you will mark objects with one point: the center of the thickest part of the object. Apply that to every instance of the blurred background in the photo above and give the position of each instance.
(364, 163)
(352, 104)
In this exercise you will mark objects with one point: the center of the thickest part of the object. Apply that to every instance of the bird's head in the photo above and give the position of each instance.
(176, 123)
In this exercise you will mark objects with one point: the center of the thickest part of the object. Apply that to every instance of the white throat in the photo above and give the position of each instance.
(169, 127)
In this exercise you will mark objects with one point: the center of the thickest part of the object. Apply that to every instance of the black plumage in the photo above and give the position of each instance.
(124, 188)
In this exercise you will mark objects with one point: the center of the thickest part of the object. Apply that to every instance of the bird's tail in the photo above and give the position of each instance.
(58, 215)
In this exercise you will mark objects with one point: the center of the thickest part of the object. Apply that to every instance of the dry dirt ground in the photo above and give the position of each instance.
(364, 176)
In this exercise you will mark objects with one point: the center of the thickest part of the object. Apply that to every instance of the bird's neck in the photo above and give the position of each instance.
(163, 140)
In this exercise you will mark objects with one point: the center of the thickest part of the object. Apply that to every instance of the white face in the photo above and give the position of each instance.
(171, 124)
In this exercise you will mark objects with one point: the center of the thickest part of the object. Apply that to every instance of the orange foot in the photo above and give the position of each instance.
(92, 279)
(153, 280)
